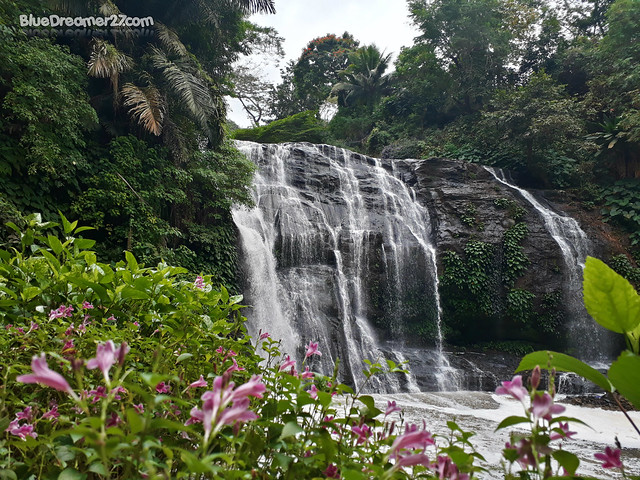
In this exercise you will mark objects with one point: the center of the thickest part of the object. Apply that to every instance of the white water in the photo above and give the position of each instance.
(308, 247)
(588, 339)
(481, 412)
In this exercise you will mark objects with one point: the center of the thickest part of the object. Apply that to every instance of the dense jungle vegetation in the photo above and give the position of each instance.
(124, 128)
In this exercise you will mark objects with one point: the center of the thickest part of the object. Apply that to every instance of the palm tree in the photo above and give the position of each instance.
(364, 81)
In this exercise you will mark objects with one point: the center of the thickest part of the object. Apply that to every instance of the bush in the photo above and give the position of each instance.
(135, 408)
(301, 127)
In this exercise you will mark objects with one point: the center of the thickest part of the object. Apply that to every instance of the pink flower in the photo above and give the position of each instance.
(98, 393)
(513, 388)
(223, 405)
(543, 407)
(413, 460)
(139, 408)
(26, 414)
(61, 312)
(312, 349)
(163, 388)
(44, 376)
(21, 430)
(563, 433)
(391, 407)
(288, 362)
(112, 319)
(446, 469)
(313, 392)
(86, 305)
(306, 375)
(610, 457)
(113, 421)
(199, 282)
(412, 438)
(363, 433)
(264, 335)
(106, 356)
(201, 382)
(331, 471)
(51, 414)
(117, 391)
(234, 367)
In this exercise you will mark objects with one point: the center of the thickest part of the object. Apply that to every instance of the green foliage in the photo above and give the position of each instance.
(520, 304)
(614, 304)
(622, 205)
(541, 122)
(45, 111)
(516, 262)
(138, 200)
(318, 68)
(144, 407)
(622, 265)
(513, 347)
(514, 209)
(612, 301)
(301, 127)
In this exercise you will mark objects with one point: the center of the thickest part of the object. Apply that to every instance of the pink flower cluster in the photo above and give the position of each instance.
(61, 312)
(225, 404)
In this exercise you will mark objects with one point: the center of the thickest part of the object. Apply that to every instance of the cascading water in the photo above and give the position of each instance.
(588, 338)
(330, 252)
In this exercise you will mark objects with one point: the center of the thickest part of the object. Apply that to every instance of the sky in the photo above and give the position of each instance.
(383, 22)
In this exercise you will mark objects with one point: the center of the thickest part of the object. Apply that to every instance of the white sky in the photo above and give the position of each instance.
(383, 22)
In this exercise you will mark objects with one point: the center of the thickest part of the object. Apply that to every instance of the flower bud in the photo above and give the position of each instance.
(535, 377)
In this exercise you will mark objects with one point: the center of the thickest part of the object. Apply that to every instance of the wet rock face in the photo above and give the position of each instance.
(351, 238)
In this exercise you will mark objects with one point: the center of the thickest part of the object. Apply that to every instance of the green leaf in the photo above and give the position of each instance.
(184, 356)
(564, 363)
(8, 475)
(509, 421)
(131, 261)
(71, 474)
(55, 244)
(567, 460)
(136, 423)
(98, 468)
(84, 243)
(625, 376)
(610, 299)
(133, 293)
(290, 429)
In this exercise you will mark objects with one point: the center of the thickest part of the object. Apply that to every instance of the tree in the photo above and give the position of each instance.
(539, 122)
(250, 84)
(318, 68)
(615, 86)
(475, 42)
(364, 81)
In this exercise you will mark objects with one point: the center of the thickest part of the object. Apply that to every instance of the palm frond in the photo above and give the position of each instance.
(145, 105)
(192, 90)
(257, 6)
(170, 40)
(106, 61)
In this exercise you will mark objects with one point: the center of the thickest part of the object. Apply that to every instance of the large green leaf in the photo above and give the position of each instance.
(625, 376)
(564, 363)
(609, 298)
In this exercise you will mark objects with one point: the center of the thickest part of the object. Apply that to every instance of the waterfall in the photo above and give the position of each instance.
(587, 338)
(332, 249)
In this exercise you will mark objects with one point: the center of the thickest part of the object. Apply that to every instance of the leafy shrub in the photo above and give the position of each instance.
(301, 127)
(622, 205)
(120, 354)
